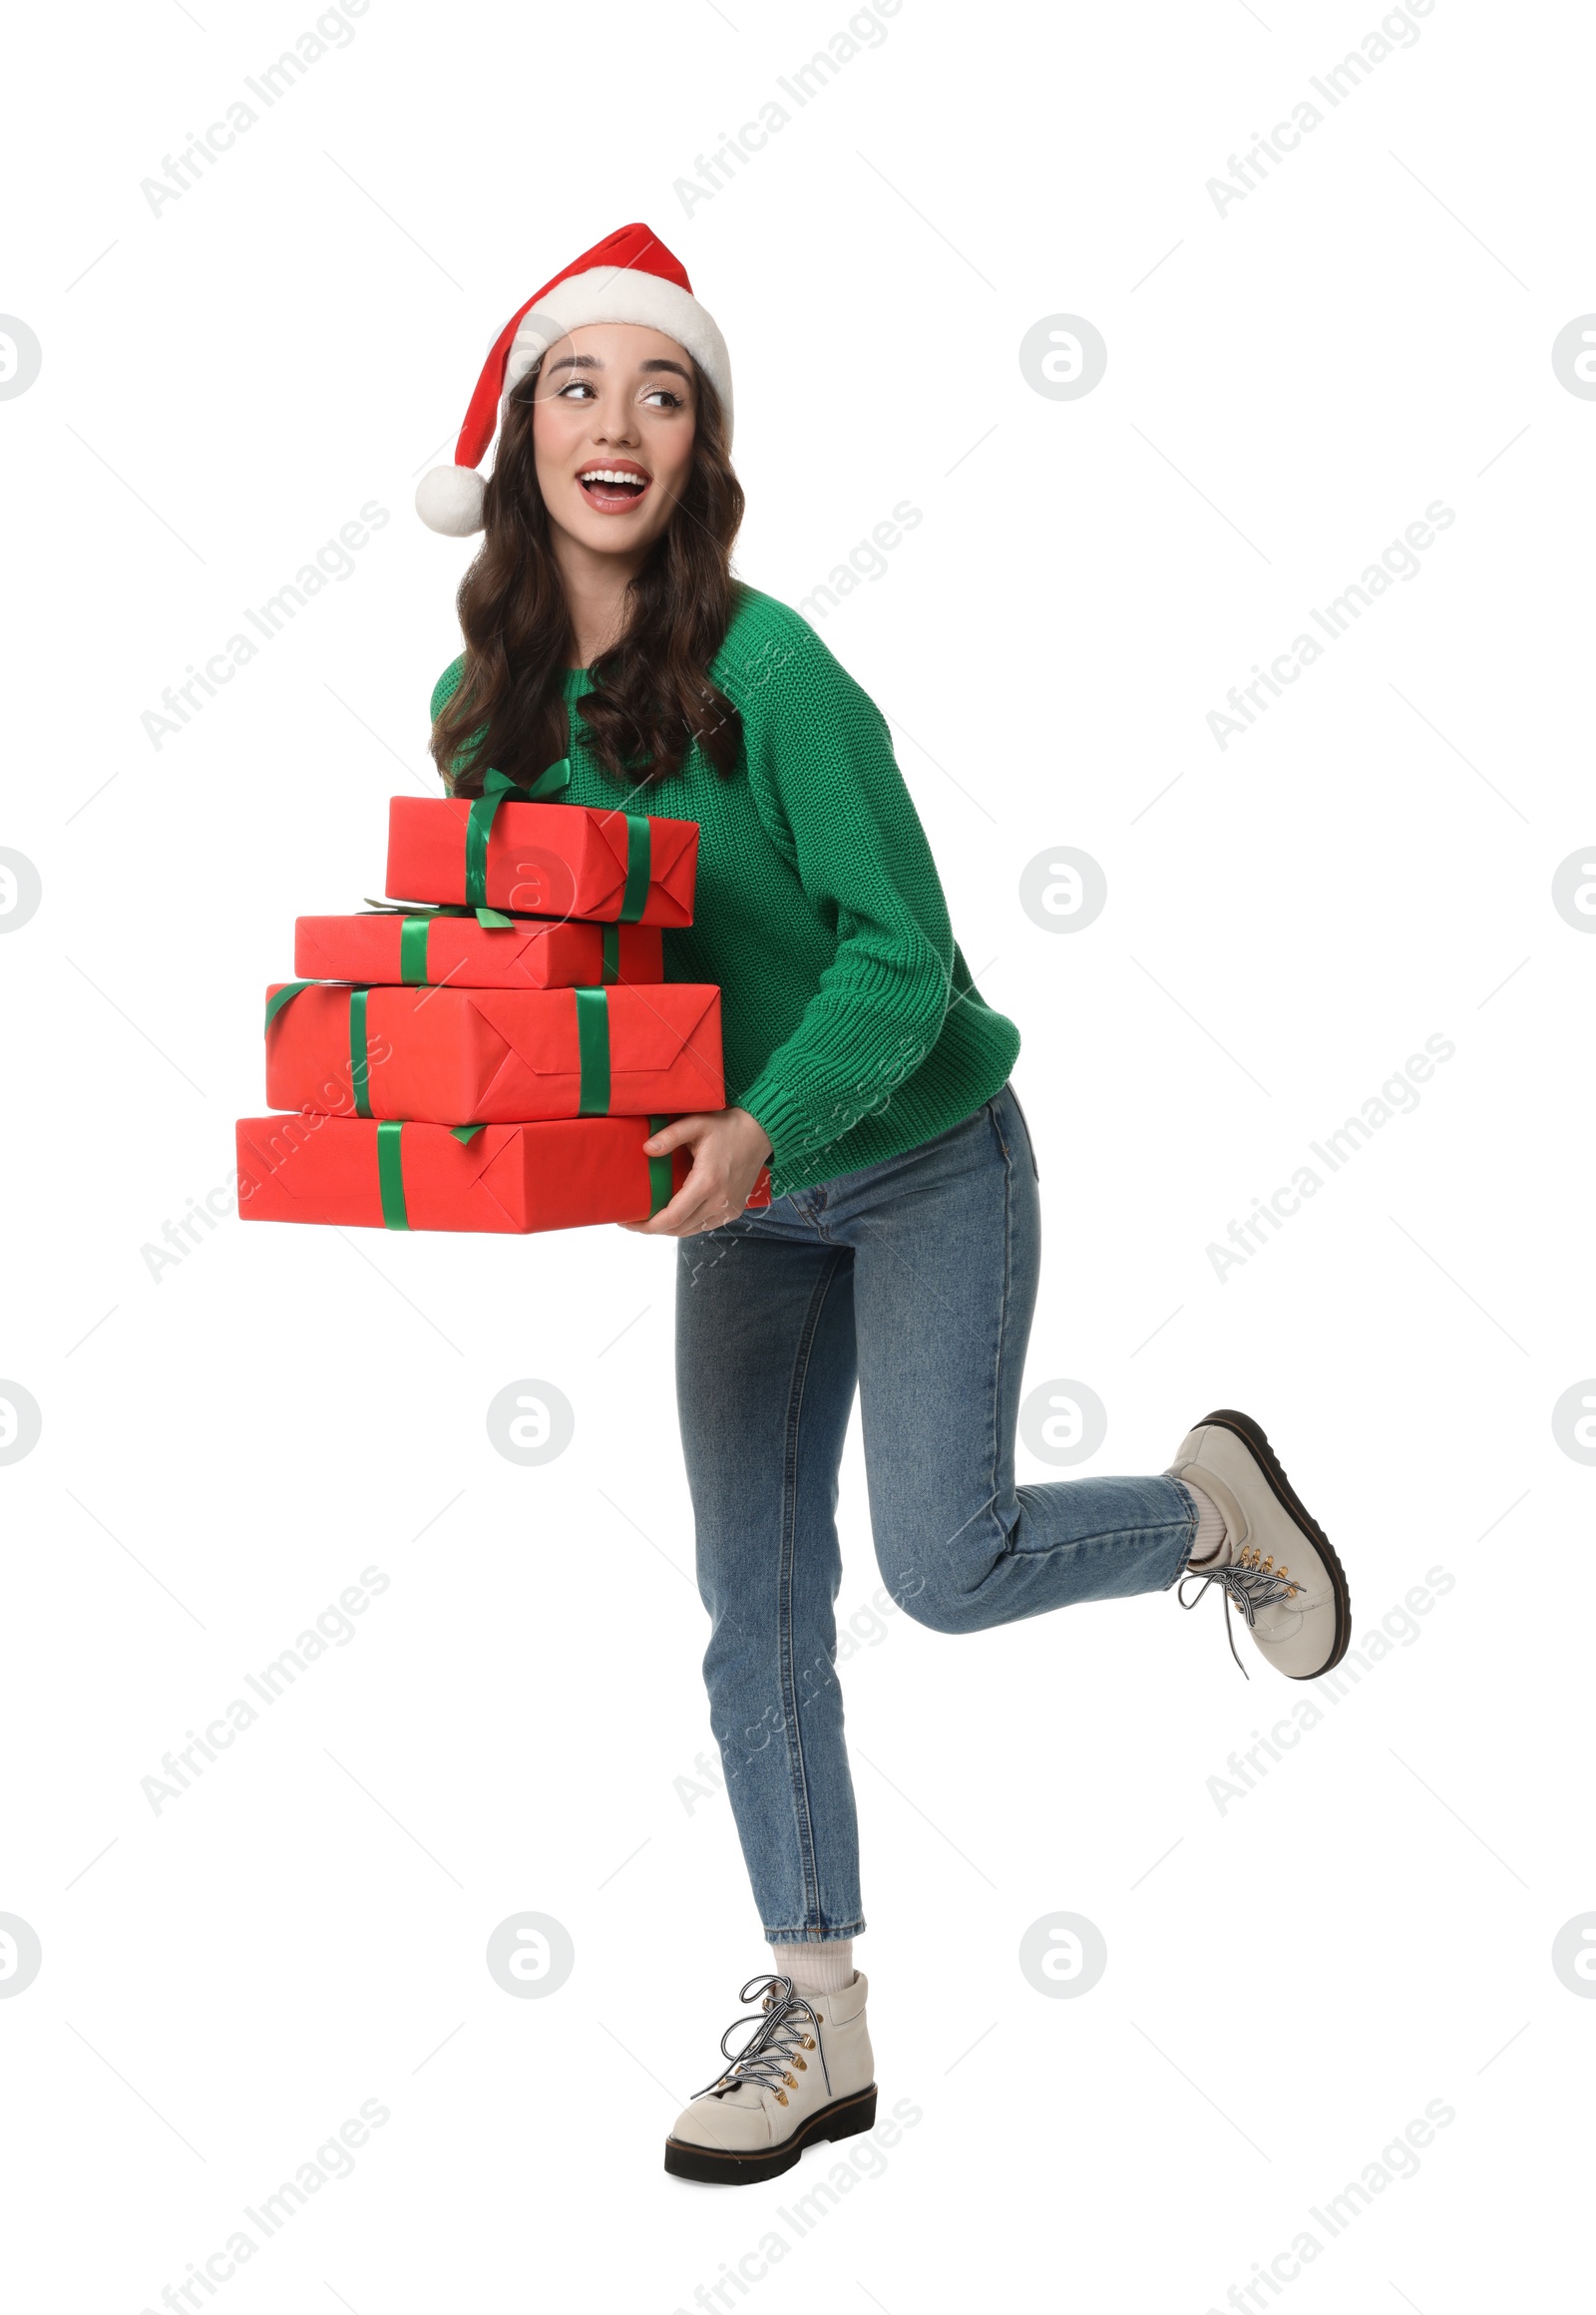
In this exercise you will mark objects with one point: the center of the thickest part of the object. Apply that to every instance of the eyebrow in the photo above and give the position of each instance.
(592, 362)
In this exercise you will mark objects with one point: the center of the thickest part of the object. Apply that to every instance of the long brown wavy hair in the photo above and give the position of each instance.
(654, 695)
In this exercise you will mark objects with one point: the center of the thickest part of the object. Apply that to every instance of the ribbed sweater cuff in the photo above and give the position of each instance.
(786, 1121)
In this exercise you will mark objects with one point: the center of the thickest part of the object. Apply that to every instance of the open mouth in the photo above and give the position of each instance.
(613, 490)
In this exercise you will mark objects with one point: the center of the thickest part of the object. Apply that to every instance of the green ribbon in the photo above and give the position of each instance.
(414, 933)
(660, 1186)
(288, 991)
(638, 869)
(496, 788)
(610, 969)
(592, 1050)
(359, 1052)
(391, 1173)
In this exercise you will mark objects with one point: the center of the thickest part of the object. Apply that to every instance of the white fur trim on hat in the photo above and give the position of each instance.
(621, 293)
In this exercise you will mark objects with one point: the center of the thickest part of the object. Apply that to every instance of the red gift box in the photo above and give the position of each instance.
(454, 1056)
(547, 860)
(366, 1173)
(430, 950)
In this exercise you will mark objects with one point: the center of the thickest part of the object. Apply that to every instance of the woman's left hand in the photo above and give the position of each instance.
(728, 1148)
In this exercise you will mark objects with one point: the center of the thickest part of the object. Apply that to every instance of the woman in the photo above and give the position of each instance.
(900, 1251)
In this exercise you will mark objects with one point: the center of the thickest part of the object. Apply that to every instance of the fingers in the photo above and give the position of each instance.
(667, 1223)
(707, 1199)
(689, 1212)
(679, 1132)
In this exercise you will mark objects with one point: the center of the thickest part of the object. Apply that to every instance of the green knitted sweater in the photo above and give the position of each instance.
(853, 1029)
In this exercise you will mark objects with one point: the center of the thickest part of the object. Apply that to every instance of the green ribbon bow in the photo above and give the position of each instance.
(496, 788)
(391, 1170)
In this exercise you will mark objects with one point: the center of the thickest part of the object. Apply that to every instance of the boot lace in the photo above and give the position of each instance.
(1250, 1583)
(784, 2026)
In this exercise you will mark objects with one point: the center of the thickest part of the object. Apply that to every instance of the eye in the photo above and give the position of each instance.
(582, 386)
(666, 398)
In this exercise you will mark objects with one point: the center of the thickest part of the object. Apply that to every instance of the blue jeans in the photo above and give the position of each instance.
(914, 1279)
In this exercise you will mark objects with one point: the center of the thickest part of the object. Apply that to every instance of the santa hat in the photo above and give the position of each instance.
(628, 276)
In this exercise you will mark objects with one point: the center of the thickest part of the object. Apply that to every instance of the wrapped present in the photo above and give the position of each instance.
(378, 1173)
(375, 1174)
(456, 1056)
(452, 946)
(541, 859)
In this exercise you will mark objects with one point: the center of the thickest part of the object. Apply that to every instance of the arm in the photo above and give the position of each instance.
(835, 805)
(833, 798)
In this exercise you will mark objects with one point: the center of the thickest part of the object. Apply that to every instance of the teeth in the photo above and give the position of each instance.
(605, 474)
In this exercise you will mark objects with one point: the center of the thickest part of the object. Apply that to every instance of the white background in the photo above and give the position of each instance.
(1289, 1980)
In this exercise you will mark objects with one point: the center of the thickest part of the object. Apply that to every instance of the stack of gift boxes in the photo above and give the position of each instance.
(491, 1048)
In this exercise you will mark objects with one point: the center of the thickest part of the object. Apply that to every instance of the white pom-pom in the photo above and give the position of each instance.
(449, 499)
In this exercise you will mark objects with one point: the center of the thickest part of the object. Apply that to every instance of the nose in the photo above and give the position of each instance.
(615, 420)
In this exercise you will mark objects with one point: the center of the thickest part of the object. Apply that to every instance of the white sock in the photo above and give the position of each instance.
(1209, 1542)
(826, 1967)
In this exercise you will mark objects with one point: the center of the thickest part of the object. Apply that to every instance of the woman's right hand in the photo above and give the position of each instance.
(728, 1148)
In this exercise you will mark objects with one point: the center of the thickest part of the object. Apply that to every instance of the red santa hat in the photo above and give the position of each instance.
(628, 276)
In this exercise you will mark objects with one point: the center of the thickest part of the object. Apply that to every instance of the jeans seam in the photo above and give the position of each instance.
(808, 1935)
(1007, 1543)
(1191, 1535)
(797, 1768)
(997, 1125)
(1025, 1121)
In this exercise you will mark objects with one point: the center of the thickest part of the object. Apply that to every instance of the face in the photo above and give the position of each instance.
(612, 429)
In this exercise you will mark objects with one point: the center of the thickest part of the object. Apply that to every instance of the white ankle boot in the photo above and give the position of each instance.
(805, 2073)
(1275, 1563)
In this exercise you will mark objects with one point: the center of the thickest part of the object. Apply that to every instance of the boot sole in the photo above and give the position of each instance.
(1227, 1419)
(845, 2117)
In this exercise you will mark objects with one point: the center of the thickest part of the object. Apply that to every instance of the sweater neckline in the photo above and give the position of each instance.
(575, 681)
